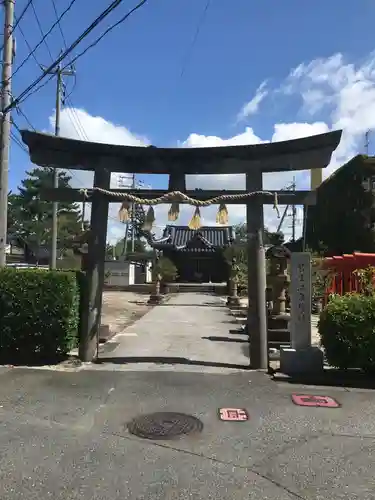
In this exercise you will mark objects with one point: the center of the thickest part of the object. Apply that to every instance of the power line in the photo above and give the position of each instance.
(195, 38)
(92, 26)
(43, 39)
(28, 46)
(19, 110)
(66, 97)
(34, 91)
(41, 29)
(108, 30)
(186, 57)
(19, 19)
(59, 23)
(19, 143)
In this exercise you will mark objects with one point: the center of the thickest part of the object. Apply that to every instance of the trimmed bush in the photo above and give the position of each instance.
(39, 315)
(347, 331)
(166, 268)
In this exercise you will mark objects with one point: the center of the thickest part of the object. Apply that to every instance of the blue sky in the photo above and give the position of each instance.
(133, 77)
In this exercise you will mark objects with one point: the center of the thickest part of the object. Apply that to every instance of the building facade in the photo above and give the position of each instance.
(343, 219)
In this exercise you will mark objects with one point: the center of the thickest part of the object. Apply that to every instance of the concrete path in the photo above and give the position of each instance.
(64, 436)
(191, 330)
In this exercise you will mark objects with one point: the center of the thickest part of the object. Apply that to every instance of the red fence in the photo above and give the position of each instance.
(343, 279)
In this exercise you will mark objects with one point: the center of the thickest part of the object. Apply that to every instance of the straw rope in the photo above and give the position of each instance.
(178, 196)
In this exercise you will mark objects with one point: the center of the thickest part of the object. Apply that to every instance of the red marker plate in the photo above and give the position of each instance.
(233, 415)
(314, 401)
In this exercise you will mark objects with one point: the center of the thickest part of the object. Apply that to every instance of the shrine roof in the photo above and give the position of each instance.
(297, 154)
(205, 238)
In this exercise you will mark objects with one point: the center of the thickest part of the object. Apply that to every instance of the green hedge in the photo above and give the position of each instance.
(39, 315)
(347, 330)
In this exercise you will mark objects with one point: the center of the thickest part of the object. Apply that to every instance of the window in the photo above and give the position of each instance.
(366, 183)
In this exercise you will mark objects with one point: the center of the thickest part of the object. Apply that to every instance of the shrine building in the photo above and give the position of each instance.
(198, 254)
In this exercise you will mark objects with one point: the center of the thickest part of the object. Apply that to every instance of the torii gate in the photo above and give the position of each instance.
(252, 160)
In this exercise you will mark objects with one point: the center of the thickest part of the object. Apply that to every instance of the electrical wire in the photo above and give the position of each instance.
(17, 102)
(74, 117)
(76, 122)
(19, 143)
(195, 38)
(19, 110)
(19, 19)
(108, 30)
(29, 46)
(65, 95)
(43, 39)
(88, 30)
(16, 140)
(41, 29)
(59, 23)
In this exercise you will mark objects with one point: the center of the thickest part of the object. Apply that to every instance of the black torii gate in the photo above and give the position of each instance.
(253, 160)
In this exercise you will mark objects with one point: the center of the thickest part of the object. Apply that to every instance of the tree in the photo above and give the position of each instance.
(30, 218)
(117, 250)
(239, 247)
(136, 221)
(12, 213)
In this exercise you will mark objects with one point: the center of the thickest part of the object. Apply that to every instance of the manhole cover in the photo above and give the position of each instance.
(164, 425)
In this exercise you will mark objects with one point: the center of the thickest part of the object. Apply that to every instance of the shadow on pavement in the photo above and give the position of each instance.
(238, 331)
(354, 379)
(191, 304)
(232, 321)
(226, 339)
(168, 361)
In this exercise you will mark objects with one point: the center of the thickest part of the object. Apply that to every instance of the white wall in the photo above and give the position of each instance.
(119, 273)
(125, 273)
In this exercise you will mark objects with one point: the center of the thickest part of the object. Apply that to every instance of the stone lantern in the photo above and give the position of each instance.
(155, 296)
(278, 278)
(233, 299)
(278, 282)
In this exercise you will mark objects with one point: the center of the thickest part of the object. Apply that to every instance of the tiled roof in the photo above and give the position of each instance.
(203, 239)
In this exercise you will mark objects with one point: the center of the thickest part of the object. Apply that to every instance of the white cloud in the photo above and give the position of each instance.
(78, 124)
(333, 94)
(252, 107)
(342, 91)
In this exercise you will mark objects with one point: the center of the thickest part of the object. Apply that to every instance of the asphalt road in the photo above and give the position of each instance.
(63, 435)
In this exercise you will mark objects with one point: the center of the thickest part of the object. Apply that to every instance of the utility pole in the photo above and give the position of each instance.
(6, 98)
(367, 142)
(126, 236)
(59, 74)
(133, 218)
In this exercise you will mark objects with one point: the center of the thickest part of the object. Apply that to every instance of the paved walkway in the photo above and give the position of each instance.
(191, 329)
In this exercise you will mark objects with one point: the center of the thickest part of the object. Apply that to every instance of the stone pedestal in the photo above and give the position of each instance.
(155, 299)
(277, 284)
(301, 361)
(233, 302)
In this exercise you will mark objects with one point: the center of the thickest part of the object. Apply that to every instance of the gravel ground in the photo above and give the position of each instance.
(121, 309)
